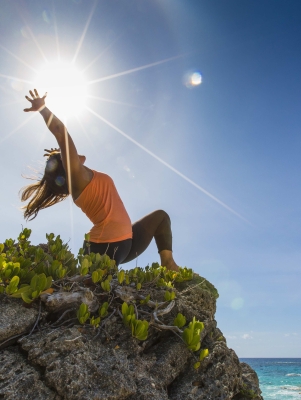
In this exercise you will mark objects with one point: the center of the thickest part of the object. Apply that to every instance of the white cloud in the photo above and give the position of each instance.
(247, 336)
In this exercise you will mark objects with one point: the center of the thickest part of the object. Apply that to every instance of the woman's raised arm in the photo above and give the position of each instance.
(76, 173)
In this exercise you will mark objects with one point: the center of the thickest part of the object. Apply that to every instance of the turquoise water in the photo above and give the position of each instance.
(280, 378)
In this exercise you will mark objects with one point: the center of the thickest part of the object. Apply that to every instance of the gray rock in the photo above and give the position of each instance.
(73, 364)
(18, 379)
(15, 318)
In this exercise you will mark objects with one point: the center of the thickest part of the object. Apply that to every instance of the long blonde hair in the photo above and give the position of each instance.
(49, 190)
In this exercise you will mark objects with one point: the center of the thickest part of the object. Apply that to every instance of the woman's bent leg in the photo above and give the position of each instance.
(155, 225)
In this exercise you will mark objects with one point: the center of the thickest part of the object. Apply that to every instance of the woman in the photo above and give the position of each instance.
(95, 193)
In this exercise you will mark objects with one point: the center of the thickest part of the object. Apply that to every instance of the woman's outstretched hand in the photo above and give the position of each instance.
(37, 102)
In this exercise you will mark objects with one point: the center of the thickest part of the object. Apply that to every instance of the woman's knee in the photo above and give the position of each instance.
(163, 216)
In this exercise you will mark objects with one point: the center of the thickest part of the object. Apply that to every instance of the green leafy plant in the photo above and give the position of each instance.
(83, 313)
(203, 354)
(120, 276)
(185, 274)
(27, 271)
(128, 313)
(192, 335)
(12, 287)
(38, 284)
(168, 296)
(97, 275)
(106, 284)
(180, 320)
(103, 310)
(9, 269)
(84, 268)
(95, 321)
(139, 329)
(146, 300)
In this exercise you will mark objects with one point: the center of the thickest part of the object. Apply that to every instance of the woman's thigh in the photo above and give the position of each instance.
(144, 230)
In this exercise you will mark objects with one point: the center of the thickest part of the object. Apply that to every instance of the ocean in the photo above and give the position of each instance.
(279, 378)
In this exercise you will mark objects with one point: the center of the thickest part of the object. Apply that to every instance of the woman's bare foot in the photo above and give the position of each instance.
(168, 261)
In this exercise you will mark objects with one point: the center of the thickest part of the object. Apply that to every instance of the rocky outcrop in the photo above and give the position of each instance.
(81, 363)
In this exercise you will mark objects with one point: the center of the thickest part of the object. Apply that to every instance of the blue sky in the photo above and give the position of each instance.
(236, 135)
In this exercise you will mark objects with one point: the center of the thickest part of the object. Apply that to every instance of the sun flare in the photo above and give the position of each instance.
(66, 88)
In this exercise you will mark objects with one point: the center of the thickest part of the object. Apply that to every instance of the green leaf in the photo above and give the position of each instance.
(195, 341)
(103, 310)
(203, 354)
(19, 292)
(146, 300)
(83, 309)
(187, 336)
(127, 319)
(84, 267)
(199, 326)
(83, 313)
(42, 282)
(34, 282)
(140, 329)
(180, 320)
(124, 309)
(168, 296)
(95, 277)
(25, 297)
(106, 285)
(131, 309)
(95, 321)
(196, 365)
(120, 276)
(35, 294)
(13, 285)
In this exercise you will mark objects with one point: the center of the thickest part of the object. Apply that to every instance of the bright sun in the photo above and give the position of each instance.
(66, 88)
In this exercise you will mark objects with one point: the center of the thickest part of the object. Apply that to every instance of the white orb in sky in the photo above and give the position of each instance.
(237, 303)
(66, 88)
(196, 79)
(192, 79)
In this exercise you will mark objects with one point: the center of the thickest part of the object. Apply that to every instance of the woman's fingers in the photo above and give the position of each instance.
(35, 95)
(28, 98)
(45, 95)
(27, 109)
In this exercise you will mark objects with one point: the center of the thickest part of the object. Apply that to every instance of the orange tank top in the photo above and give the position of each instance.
(101, 203)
